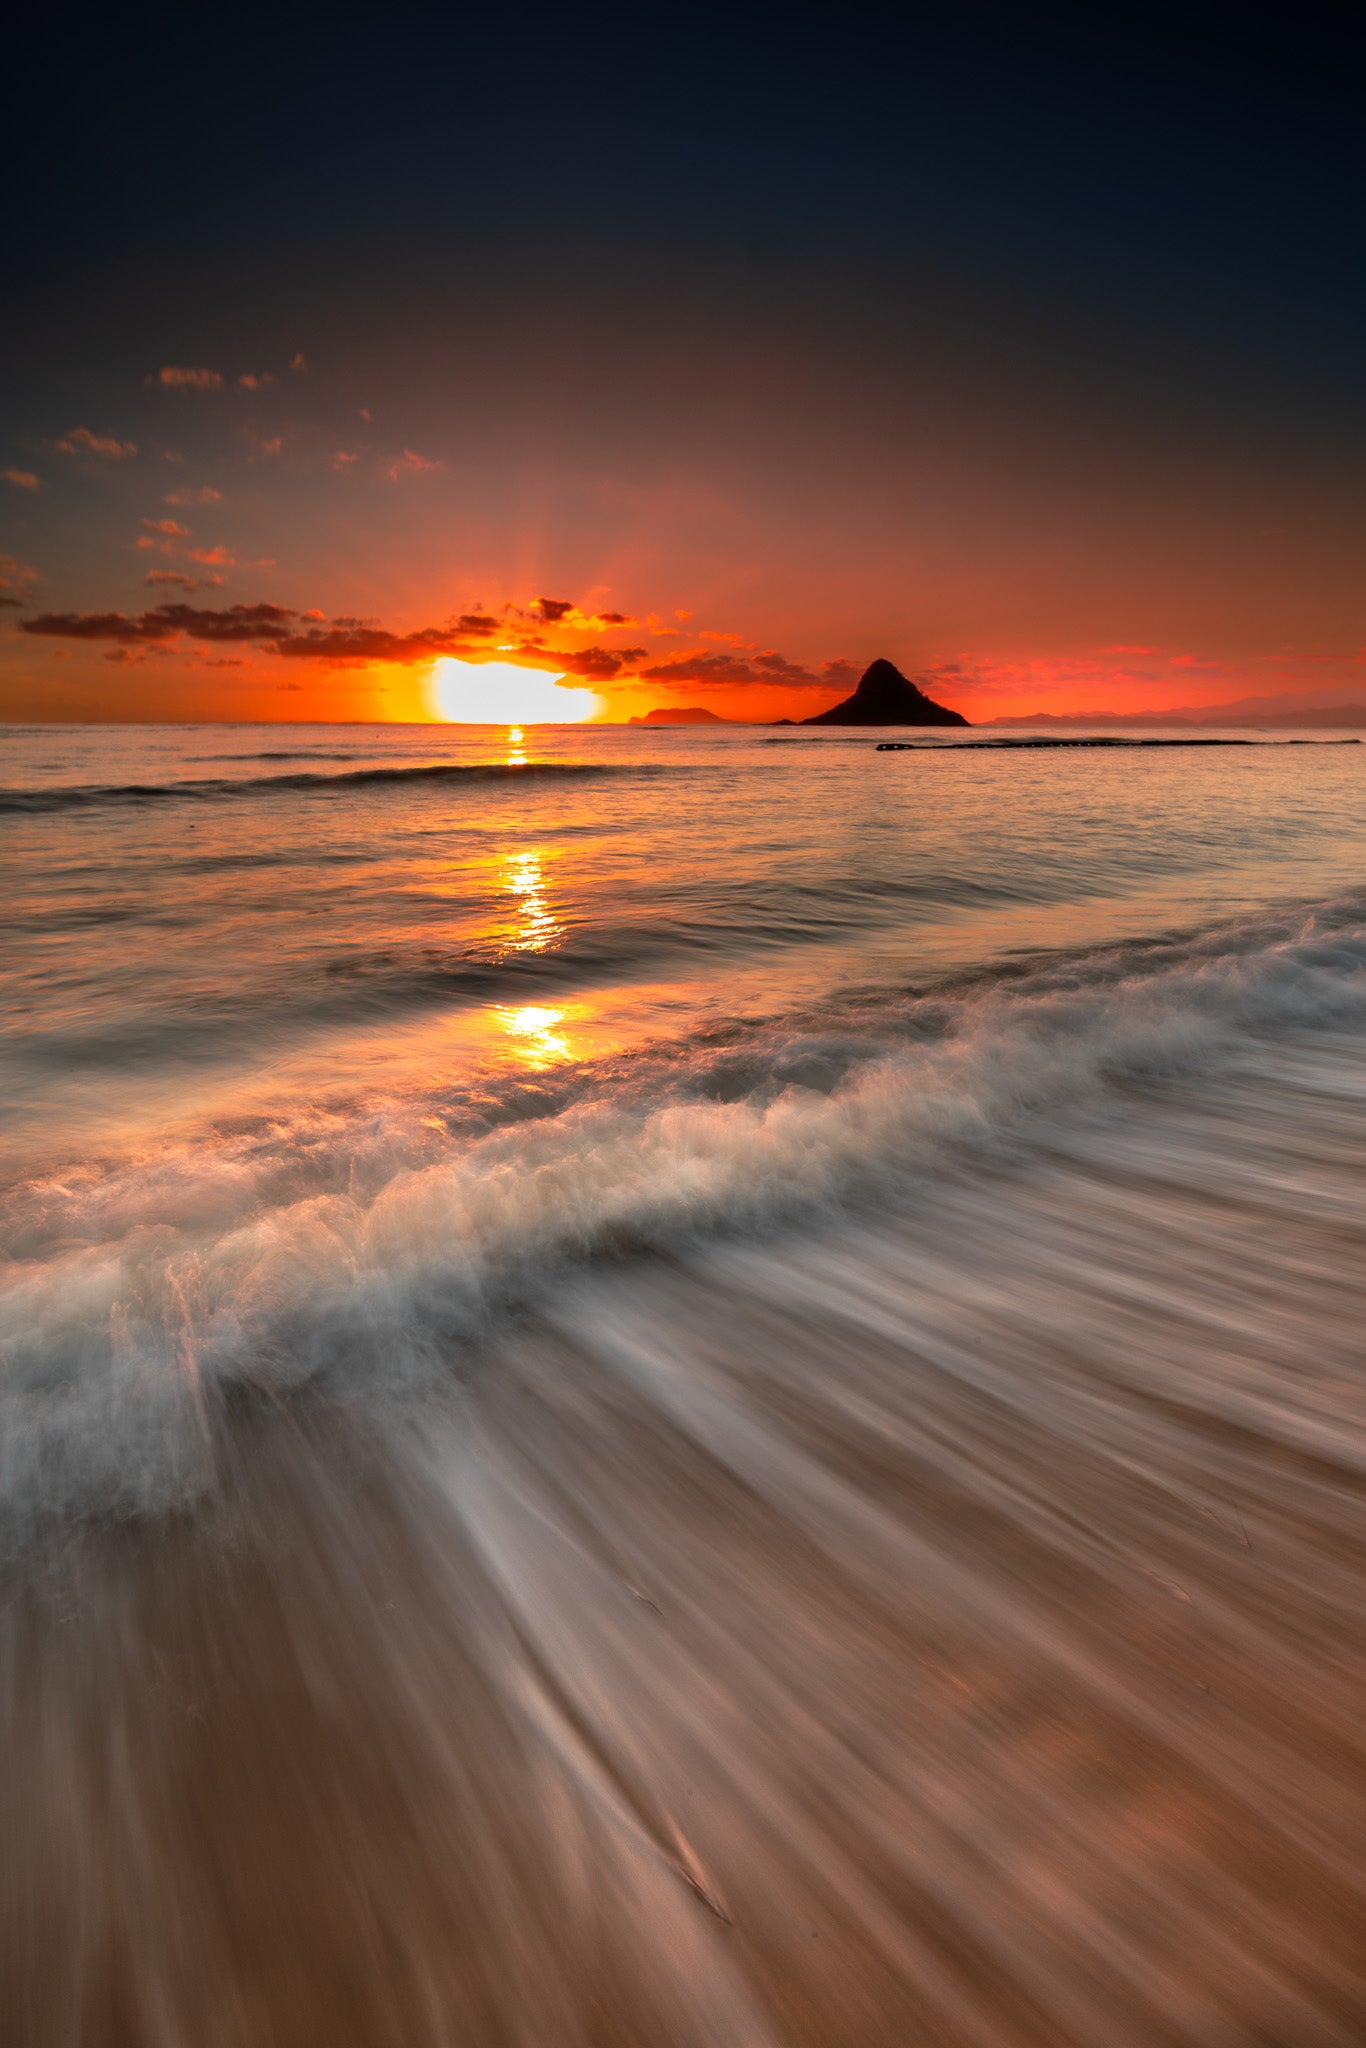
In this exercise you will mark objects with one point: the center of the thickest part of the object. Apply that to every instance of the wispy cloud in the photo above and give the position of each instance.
(16, 575)
(163, 624)
(22, 479)
(254, 382)
(726, 671)
(80, 441)
(171, 527)
(300, 364)
(179, 580)
(411, 464)
(204, 495)
(180, 377)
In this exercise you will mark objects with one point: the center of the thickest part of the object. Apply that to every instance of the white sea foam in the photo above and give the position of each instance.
(363, 1257)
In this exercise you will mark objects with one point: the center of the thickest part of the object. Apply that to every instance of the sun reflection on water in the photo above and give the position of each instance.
(536, 926)
(516, 757)
(536, 1042)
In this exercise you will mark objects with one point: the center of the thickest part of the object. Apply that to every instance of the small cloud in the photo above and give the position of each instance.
(289, 686)
(365, 414)
(683, 615)
(612, 619)
(315, 617)
(180, 377)
(344, 463)
(99, 626)
(80, 441)
(1124, 647)
(22, 479)
(205, 495)
(260, 447)
(553, 609)
(255, 383)
(121, 654)
(410, 464)
(167, 526)
(214, 558)
(15, 574)
(727, 639)
(299, 363)
(180, 581)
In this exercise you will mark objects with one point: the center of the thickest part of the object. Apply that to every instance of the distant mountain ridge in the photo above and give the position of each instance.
(680, 714)
(885, 697)
(1242, 715)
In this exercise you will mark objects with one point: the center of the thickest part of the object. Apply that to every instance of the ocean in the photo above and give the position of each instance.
(683, 1386)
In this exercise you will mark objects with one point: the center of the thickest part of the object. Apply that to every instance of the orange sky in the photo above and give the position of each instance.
(287, 537)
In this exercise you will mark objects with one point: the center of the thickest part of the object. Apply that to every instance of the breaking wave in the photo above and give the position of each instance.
(369, 1253)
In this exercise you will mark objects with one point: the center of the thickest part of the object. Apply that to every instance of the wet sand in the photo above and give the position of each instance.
(949, 1632)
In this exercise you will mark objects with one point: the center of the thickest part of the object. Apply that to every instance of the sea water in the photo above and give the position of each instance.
(688, 1385)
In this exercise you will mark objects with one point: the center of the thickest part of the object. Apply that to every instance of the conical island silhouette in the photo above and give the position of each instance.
(886, 697)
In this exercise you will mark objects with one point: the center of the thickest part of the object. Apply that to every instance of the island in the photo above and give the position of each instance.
(885, 697)
(681, 714)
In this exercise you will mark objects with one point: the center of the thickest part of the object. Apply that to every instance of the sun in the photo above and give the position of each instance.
(501, 693)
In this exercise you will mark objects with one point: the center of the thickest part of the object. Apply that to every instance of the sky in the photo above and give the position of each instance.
(699, 359)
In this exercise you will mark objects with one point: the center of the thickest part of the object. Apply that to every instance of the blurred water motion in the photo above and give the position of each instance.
(698, 1389)
(948, 1631)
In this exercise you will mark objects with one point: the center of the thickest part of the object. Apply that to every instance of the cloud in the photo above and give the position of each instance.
(248, 382)
(182, 582)
(354, 640)
(365, 414)
(214, 558)
(14, 574)
(99, 626)
(599, 664)
(725, 671)
(80, 441)
(204, 495)
(562, 611)
(299, 363)
(179, 377)
(22, 479)
(260, 447)
(171, 527)
(10, 600)
(410, 464)
(157, 627)
(344, 463)
(238, 622)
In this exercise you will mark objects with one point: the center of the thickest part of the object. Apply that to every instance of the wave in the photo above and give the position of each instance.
(368, 1253)
(282, 754)
(87, 796)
